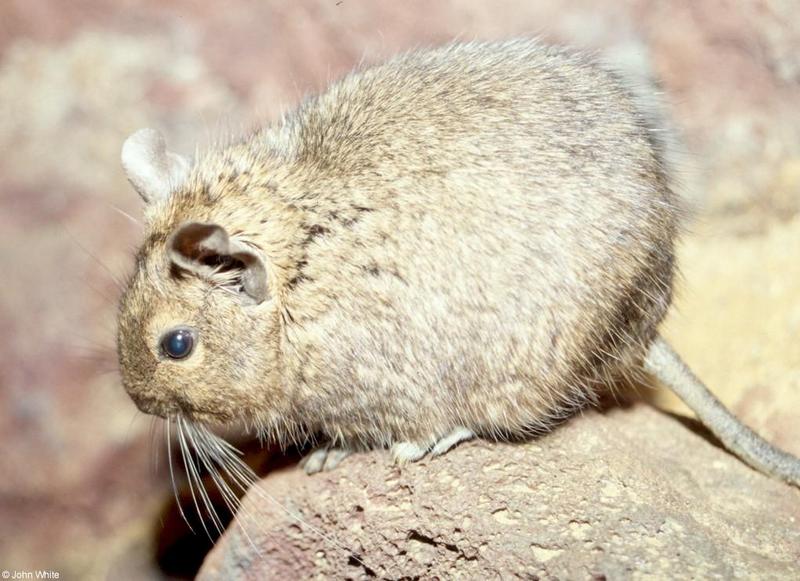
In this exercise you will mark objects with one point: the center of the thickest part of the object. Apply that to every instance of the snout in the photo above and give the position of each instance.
(149, 404)
(176, 406)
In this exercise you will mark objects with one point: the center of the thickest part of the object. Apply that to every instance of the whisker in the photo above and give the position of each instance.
(128, 216)
(114, 278)
(186, 435)
(231, 500)
(172, 477)
(153, 439)
(136, 415)
(190, 474)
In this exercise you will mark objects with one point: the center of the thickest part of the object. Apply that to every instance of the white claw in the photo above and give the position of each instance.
(404, 452)
(323, 459)
(460, 434)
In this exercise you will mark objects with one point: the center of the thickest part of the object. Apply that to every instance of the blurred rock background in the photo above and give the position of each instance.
(78, 492)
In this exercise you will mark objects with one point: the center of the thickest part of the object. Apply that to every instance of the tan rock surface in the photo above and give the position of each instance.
(627, 494)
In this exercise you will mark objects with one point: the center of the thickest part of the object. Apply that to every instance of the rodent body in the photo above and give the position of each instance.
(475, 239)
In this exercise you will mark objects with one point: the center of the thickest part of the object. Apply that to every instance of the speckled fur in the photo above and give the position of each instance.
(479, 235)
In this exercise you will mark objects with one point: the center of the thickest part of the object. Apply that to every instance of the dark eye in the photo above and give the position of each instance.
(178, 344)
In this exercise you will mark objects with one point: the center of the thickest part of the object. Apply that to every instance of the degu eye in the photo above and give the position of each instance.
(178, 343)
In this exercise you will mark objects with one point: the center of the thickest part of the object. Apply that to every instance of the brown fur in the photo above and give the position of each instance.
(480, 235)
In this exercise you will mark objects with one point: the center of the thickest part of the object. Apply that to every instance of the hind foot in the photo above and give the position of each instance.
(460, 434)
(404, 452)
(323, 458)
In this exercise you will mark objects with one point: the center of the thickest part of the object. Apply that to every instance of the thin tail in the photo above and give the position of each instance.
(669, 368)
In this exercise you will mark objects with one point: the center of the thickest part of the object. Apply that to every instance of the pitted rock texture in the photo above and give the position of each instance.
(629, 493)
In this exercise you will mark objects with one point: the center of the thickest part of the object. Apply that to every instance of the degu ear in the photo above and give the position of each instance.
(153, 171)
(208, 251)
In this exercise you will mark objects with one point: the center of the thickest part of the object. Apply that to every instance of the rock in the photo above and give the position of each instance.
(628, 493)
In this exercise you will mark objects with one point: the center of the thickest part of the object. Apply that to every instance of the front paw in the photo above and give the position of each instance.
(323, 458)
(404, 452)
